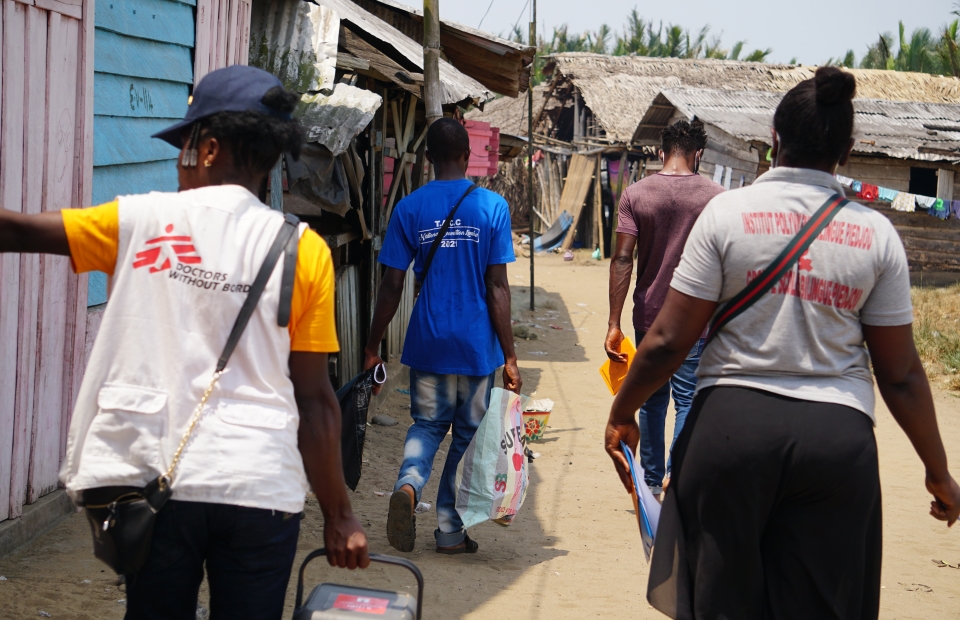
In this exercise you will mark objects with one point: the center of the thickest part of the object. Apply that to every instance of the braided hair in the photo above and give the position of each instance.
(683, 138)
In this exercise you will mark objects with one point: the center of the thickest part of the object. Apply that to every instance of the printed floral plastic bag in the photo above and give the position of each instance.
(492, 476)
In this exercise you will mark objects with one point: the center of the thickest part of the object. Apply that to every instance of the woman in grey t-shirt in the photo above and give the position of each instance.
(774, 507)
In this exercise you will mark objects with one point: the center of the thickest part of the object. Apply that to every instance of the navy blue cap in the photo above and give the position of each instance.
(238, 88)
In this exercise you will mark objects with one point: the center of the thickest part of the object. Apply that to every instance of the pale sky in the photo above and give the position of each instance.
(809, 30)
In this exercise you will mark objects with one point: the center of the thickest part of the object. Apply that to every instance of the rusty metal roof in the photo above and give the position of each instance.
(455, 87)
(502, 66)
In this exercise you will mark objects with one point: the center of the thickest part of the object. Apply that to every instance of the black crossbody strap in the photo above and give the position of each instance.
(289, 274)
(760, 285)
(288, 229)
(443, 231)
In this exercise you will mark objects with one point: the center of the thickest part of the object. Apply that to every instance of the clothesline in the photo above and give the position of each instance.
(903, 201)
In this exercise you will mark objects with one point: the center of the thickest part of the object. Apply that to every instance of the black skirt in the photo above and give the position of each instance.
(773, 511)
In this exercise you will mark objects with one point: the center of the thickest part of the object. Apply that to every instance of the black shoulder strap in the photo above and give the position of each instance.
(441, 233)
(779, 267)
(289, 273)
(287, 231)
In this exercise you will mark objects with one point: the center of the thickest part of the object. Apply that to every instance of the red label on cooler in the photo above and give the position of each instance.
(363, 604)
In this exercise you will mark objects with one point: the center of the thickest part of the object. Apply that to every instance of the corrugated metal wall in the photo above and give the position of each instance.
(350, 358)
(143, 72)
(397, 331)
(45, 153)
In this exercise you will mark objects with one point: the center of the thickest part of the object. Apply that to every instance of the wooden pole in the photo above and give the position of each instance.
(431, 60)
(533, 69)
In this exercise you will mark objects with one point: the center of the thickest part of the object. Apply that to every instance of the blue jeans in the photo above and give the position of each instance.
(438, 402)
(248, 553)
(653, 415)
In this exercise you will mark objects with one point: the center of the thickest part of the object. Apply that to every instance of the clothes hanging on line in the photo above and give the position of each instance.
(718, 174)
(868, 192)
(905, 202)
(939, 209)
(856, 186)
(887, 195)
(955, 209)
(845, 181)
(925, 202)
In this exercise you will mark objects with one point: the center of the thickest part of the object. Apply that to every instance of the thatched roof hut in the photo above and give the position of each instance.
(616, 91)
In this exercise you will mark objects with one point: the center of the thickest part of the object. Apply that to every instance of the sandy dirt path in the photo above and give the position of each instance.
(574, 551)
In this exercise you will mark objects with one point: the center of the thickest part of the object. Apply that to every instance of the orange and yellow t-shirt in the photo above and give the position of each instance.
(94, 237)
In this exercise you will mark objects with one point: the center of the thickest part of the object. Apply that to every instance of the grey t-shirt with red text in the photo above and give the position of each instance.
(804, 338)
(659, 210)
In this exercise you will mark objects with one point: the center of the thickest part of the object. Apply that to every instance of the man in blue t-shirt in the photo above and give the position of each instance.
(459, 332)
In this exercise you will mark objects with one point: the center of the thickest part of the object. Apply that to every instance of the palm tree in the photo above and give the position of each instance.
(948, 48)
(878, 55)
(919, 54)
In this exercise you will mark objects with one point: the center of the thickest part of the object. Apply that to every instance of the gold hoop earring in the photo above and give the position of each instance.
(207, 163)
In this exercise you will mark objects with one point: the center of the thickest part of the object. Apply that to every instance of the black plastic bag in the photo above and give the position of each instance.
(354, 400)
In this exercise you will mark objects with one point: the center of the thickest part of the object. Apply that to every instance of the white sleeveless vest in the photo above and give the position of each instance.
(184, 263)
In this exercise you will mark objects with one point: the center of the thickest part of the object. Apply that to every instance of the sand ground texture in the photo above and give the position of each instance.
(574, 551)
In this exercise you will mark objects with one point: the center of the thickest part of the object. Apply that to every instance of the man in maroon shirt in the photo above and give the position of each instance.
(656, 215)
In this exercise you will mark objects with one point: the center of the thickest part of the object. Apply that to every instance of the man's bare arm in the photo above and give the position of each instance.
(34, 234)
(318, 439)
(388, 300)
(621, 268)
(498, 305)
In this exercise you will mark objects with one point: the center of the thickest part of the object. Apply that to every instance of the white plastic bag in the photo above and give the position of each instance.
(492, 475)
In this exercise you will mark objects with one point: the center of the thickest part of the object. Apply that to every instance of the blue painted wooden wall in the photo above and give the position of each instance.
(143, 69)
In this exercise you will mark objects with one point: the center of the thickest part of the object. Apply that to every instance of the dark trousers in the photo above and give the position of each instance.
(248, 553)
(774, 512)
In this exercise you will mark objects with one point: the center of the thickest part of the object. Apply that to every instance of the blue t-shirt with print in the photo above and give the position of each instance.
(450, 331)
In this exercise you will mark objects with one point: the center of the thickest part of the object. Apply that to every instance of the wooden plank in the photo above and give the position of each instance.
(598, 210)
(929, 245)
(202, 49)
(112, 181)
(34, 156)
(945, 184)
(63, 8)
(230, 29)
(60, 191)
(118, 95)
(122, 55)
(223, 34)
(127, 140)
(11, 197)
(154, 20)
(575, 193)
(84, 163)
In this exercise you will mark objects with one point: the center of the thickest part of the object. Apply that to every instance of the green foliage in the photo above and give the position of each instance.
(644, 38)
(922, 52)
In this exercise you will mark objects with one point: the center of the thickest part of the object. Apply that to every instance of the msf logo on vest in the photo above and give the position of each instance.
(163, 252)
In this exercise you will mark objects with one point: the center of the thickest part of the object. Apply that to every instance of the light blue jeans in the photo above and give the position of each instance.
(438, 402)
(653, 416)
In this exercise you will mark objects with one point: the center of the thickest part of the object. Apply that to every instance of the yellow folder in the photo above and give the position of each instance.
(615, 372)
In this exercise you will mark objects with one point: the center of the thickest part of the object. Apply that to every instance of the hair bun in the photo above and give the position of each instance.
(281, 100)
(834, 85)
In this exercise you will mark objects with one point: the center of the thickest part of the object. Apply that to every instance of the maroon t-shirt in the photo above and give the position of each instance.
(660, 211)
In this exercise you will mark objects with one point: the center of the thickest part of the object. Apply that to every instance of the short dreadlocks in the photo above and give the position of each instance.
(683, 138)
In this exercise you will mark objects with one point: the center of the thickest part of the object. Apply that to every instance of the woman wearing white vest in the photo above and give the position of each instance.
(182, 264)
